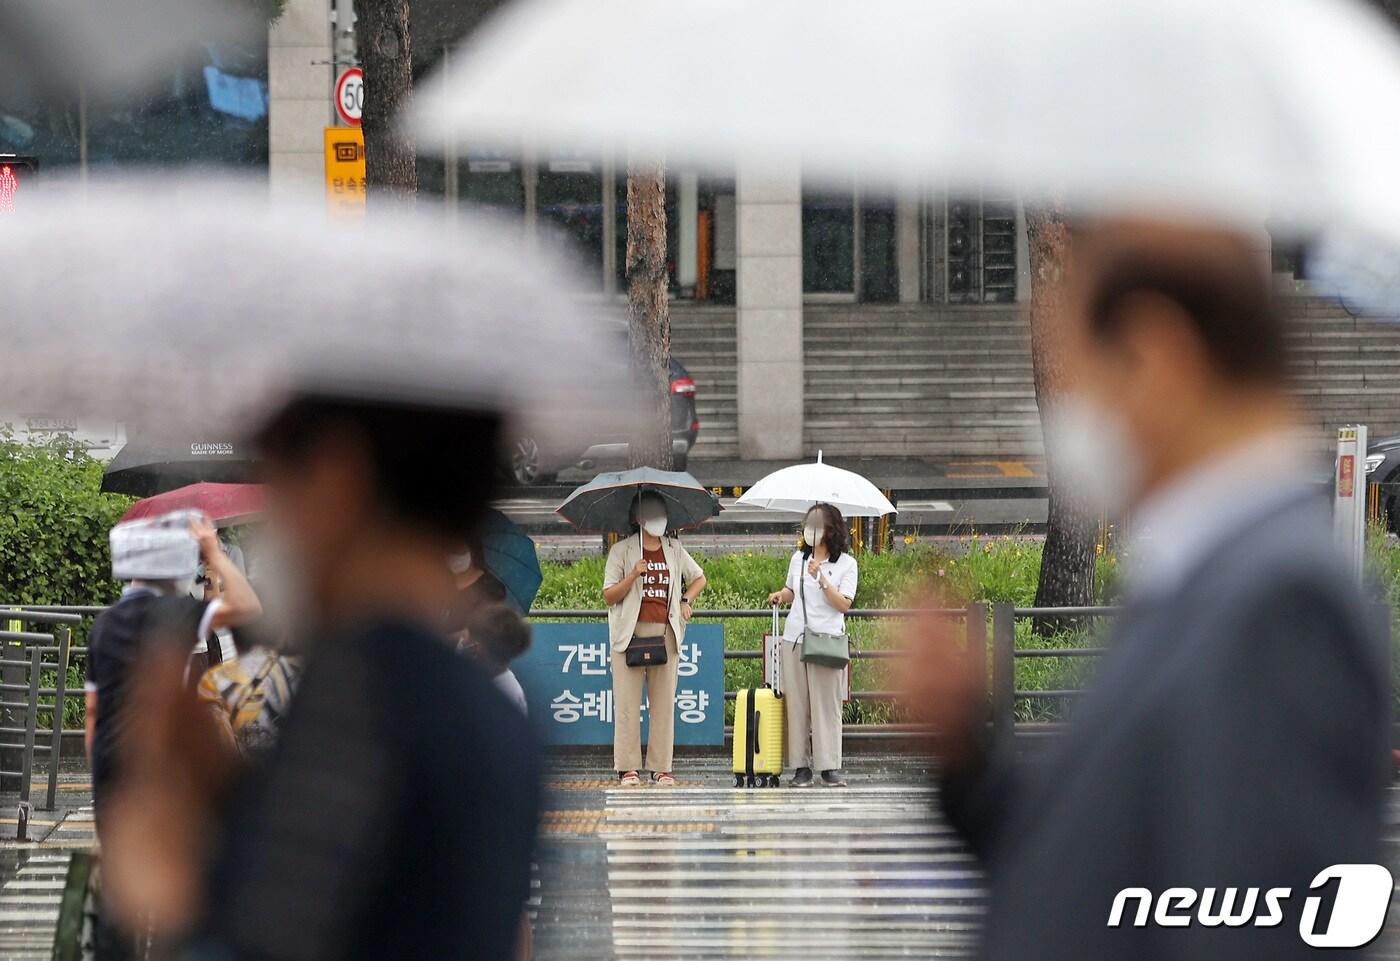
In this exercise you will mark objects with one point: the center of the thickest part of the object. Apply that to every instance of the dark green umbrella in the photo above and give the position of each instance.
(511, 558)
(604, 504)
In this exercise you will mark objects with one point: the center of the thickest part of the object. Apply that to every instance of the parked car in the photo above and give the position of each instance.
(1383, 468)
(530, 463)
(685, 427)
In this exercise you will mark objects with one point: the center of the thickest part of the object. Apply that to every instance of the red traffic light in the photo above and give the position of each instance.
(14, 172)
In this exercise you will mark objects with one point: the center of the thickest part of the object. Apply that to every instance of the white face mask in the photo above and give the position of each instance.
(812, 536)
(460, 563)
(656, 526)
(1094, 453)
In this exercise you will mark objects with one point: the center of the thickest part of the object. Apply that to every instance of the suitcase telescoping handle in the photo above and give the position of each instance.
(775, 620)
(751, 741)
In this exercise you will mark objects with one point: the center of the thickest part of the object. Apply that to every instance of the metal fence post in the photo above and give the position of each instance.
(11, 650)
(31, 721)
(1003, 669)
(976, 622)
(65, 640)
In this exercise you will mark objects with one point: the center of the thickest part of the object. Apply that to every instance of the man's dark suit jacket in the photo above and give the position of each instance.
(1236, 734)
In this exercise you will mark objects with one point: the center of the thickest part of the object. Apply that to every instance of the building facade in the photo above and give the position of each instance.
(838, 316)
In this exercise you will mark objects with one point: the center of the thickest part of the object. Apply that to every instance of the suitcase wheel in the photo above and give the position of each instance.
(738, 780)
(775, 781)
(751, 781)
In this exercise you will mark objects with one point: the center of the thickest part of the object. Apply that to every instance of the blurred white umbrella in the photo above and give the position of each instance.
(177, 305)
(1229, 111)
(798, 487)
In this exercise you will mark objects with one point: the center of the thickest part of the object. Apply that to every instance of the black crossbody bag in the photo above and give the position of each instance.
(651, 651)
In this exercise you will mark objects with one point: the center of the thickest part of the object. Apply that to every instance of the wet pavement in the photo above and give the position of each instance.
(697, 871)
(702, 870)
(32, 872)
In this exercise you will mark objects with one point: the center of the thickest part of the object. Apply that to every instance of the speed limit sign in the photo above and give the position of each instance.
(350, 95)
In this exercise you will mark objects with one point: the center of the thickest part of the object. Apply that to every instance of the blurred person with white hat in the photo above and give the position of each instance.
(158, 557)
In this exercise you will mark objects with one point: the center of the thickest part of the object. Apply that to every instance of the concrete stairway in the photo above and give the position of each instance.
(928, 380)
(919, 380)
(1345, 370)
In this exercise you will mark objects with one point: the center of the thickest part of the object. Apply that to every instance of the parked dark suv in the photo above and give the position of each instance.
(530, 463)
(1383, 468)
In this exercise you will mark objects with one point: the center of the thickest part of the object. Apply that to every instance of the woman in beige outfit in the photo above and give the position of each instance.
(649, 585)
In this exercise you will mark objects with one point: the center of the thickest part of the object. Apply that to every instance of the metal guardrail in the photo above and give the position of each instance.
(25, 656)
(1000, 672)
(1005, 653)
(998, 661)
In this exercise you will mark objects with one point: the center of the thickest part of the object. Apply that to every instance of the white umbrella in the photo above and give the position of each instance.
(197, 306)
(1230, 111)
(798, 487)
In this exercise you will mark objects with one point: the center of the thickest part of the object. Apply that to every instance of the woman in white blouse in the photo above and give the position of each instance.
(821, 585)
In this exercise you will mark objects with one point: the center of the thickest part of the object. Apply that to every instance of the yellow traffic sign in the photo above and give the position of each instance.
(345, 171)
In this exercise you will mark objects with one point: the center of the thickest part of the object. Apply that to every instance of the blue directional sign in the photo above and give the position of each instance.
(567, 678)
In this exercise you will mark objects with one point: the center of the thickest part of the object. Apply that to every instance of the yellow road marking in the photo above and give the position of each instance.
(1001, 468)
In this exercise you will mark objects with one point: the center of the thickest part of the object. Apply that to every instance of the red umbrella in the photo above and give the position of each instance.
(225, 504)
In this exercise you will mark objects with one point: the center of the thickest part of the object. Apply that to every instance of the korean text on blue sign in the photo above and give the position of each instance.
(567, 677)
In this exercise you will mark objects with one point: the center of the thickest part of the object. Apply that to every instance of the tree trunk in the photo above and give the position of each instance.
(381, 33)
(649, 311)
(1067, 564)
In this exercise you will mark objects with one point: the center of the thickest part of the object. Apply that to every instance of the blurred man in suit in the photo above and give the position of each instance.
(1236, 734)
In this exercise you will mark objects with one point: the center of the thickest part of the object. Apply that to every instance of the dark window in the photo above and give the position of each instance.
(570, 197)
(828, 242)
(879, 270)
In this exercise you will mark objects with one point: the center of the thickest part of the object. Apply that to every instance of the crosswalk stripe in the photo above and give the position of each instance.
(752, 874)
(863, 873)
(811, 858)
(796, 907)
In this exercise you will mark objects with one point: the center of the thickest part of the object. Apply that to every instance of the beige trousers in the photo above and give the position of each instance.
(660, 685)
(812, 694)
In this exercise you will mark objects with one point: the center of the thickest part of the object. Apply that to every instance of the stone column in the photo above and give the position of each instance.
(687, 214)
(1023, 256)
(299, 82)
(769, 243)
(906, 232)
(613, 180)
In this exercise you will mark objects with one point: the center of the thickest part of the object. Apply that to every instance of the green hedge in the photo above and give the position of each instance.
(54, 524)
(53, 537)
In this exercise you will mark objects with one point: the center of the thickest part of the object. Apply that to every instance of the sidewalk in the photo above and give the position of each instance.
(69, 825)
(896, 473)
(33, 872)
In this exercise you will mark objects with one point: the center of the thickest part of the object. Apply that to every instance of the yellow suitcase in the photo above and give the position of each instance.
(759, 726)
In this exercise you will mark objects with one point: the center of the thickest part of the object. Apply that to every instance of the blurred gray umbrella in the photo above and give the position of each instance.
(112, 46)
(196, 307)
(146, 468)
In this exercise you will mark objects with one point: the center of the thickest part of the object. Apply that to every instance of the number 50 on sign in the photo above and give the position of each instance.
(350, 95)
